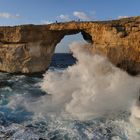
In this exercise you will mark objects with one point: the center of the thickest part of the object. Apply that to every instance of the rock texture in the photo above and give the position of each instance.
(29, 48)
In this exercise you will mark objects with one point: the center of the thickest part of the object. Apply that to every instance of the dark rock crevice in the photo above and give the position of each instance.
(87, 37)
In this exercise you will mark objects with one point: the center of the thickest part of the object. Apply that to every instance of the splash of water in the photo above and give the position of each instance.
(92, 88)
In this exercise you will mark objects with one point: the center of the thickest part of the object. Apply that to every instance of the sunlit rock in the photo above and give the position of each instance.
(29, 48)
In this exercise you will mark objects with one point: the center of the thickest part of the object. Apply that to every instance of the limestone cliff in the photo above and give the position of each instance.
(29, 48)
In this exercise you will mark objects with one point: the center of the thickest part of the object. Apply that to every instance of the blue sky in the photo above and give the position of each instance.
(15, 12)
(41, 11)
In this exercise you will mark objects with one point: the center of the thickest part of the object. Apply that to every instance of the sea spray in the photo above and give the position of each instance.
(91, 88)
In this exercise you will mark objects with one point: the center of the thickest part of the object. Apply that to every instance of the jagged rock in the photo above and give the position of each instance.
(29, 48)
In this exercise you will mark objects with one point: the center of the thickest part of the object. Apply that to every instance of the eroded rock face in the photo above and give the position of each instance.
(29, 48)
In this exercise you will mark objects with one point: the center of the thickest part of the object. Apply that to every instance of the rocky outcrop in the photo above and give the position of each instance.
(29, 48)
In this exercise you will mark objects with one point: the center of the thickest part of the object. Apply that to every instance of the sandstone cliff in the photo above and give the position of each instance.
(29, 48)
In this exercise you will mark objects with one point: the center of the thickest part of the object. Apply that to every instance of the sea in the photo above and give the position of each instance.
(80, 97)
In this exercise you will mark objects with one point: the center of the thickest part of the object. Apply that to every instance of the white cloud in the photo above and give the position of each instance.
(81, 15)
(8, 15)
(46, 22)
(77, 14)
(120, 17)
(64, 17)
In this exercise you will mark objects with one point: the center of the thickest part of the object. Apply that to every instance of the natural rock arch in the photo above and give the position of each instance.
(29, 48)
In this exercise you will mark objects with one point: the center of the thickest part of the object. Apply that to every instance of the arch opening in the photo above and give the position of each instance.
(82, 36)
(62, 57)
